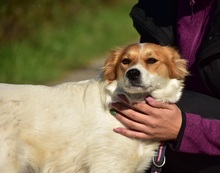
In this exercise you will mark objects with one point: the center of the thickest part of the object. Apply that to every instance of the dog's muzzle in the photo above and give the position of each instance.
(134, 81)
(134, 76)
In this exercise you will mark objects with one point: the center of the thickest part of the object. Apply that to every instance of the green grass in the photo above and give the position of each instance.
(72, 44)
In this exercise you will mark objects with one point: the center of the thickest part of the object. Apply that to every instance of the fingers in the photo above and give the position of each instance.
(130, 123)
(136, 123)
(155, 120)
(129, 113)
(157, 104)
(131, 133)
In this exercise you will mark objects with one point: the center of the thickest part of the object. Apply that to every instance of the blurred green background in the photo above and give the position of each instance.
(42, 40)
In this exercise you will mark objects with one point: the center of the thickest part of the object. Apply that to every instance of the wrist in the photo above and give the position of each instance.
(175, 145)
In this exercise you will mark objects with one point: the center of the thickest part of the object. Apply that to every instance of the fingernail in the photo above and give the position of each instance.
(113, 112)
(117, 130)
(150, 99)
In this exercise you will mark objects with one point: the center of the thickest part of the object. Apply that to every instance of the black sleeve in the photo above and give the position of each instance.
(203, 105)
(153, 26)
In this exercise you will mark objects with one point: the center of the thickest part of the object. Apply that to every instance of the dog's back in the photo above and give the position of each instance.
(66, 128)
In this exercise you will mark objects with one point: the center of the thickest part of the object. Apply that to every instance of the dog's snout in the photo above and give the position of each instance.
(133, 74)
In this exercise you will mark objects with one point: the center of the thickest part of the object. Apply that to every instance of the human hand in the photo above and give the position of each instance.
(154, 120)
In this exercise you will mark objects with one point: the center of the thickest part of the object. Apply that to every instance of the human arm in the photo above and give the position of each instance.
(190, 132)
(200, 135)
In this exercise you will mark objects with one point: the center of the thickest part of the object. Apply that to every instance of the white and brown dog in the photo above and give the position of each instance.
(68, 128)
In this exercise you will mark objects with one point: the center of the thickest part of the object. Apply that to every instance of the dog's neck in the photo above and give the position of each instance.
(171, 93)
(129, 98)
(117, 94)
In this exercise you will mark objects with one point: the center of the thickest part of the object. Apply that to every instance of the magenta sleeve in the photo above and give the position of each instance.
(200, 135)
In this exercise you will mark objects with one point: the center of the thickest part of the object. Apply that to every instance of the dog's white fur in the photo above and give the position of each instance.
(68, 128)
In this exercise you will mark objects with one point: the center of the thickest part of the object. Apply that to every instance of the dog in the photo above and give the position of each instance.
(68, 128)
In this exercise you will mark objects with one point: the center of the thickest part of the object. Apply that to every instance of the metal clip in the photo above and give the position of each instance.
(157, 164)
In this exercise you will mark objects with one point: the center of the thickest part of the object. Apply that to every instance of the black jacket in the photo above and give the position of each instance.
(155, 23)
(209, 57)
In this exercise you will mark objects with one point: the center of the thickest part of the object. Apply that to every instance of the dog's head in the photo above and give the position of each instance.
(147, 68)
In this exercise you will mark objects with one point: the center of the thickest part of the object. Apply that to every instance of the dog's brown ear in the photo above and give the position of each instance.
(110, 67)
(178, 66)
(181, 71)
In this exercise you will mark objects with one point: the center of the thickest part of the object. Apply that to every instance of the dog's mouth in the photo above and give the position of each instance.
(136, 88)
(133, 82)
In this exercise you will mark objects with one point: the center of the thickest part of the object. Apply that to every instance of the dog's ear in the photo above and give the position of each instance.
(178, 66)
(110, 67)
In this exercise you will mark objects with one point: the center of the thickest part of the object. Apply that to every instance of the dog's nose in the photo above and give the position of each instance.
(133, 74)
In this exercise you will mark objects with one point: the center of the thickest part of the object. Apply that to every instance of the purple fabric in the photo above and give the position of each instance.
(192, 20)
(192, 17)
(201, 136)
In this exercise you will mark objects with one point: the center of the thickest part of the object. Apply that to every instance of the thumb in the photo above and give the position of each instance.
(151, 101)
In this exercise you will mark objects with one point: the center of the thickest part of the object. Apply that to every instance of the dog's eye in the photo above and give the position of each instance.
(151, 60)
(126, 61)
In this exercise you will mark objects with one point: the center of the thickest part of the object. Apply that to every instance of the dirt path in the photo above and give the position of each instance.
(91, 71)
